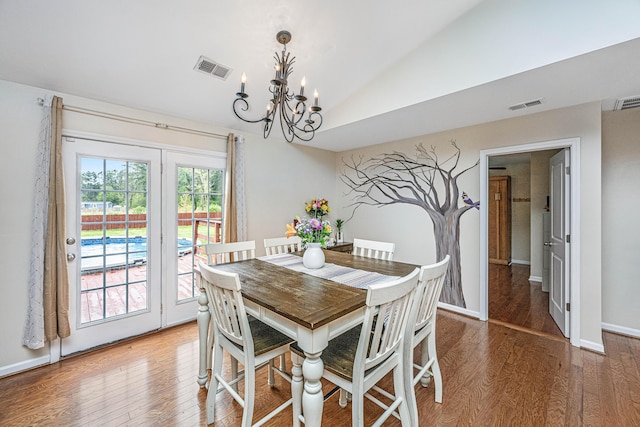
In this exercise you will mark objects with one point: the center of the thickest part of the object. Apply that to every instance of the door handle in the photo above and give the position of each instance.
(548, 244)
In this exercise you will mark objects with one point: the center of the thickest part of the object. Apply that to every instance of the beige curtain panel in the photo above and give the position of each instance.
(48, 309)
(230, 213)
(56, 280)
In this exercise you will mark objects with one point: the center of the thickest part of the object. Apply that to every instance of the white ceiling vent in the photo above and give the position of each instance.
(626, 103)
(207, 66)
(525, 104)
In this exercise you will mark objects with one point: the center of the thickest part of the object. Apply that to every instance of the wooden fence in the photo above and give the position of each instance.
(117, 221)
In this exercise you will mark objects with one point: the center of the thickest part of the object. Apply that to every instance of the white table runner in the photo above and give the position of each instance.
(345, 275)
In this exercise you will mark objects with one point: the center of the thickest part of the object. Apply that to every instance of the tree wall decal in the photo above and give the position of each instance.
(423, 181)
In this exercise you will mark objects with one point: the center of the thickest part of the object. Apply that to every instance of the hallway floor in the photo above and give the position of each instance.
(513, 299)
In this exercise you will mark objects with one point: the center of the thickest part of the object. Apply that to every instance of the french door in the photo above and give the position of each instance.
(135, 236)
(194, 202)
(113, 194)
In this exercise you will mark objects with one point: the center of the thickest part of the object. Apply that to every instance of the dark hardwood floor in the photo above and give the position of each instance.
(492, 375)
(513, 300)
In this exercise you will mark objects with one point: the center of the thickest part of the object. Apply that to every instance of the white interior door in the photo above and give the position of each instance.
(559, 240)
(113, 196)
(194, 187)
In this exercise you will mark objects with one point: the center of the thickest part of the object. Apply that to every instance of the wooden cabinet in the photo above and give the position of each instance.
(500, 219)
(342, 247)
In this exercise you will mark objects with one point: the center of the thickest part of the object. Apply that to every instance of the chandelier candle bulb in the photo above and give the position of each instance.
(302, 83)
(315, 97)
(243, 80)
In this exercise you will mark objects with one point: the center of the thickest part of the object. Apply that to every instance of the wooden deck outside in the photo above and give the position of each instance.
(117, 298)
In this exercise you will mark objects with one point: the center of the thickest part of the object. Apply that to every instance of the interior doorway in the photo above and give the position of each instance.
(511, 291)
(518, 191)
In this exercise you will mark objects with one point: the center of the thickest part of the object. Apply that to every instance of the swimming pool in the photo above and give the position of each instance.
(119, 252)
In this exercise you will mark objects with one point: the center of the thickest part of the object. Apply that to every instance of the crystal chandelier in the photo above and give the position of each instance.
(290, 108)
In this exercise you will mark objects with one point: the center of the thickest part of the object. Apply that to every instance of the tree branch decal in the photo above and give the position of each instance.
(424, 181)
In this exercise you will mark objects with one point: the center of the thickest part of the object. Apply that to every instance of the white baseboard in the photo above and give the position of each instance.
(459, 310)
(24, 366)
(635, 333)
(535, 279)
(520, 261)
(589, 345)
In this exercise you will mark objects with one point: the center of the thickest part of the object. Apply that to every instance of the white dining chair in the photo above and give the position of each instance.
(282, 245)
(424, 332)
(374, 249)
(369, 249)
(359, 358)
(252, 343)
(222, 253)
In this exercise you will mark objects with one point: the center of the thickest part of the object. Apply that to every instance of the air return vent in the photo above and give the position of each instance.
(626, 103)
(208, 66)
(527, 104)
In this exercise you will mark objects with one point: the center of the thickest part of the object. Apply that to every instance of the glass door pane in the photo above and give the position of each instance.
(113, 251)
(194, 200)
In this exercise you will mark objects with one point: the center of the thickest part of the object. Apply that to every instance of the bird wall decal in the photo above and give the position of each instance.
(467, 201)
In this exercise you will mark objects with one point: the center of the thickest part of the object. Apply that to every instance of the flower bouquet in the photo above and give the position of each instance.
(317, 208)
(310, 230)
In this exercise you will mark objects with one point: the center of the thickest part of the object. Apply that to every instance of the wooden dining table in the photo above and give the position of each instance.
(309, 309)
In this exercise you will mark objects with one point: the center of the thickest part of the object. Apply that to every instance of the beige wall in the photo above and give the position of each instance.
(411, 227)
(539, 193)
(279, 177)
(620, 230)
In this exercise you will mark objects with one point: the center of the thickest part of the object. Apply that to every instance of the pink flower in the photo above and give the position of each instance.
(316, 224)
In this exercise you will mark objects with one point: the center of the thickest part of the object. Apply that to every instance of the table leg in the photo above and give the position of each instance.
(297, 385)
(312, 398)
(203, 319)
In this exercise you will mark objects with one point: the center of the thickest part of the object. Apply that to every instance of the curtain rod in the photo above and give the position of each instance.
(135, 120)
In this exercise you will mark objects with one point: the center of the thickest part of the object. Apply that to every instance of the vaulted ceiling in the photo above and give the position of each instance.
(384, 71)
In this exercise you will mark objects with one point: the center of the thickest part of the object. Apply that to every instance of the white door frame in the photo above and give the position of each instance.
(574, 145)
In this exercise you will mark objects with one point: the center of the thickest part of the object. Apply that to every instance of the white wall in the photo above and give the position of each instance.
(19, 128)
(620, 230)
(411, 228)
(279, 177)
(496, 39)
